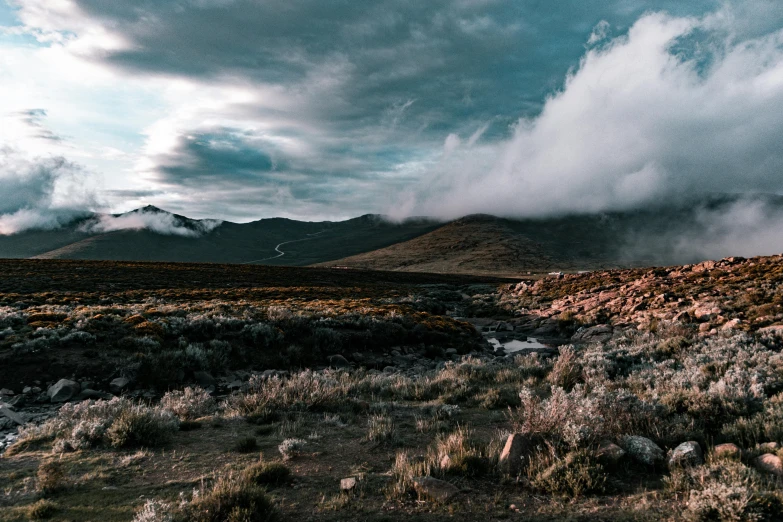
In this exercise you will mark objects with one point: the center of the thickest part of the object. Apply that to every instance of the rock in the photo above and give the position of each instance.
(775, 329)
(338, 361)
(348, 484)
(686, 454)
(594, 334)
(731, 325)
(513, 452)
(727, 450)
(204, 379)
(93, 394)
(610, 452)
(27, 390)
(769, 447)
(389, 370)
(769, 463)
(642, 449)
(5, 392)
(445, 462)
(87, 385)
(451, 351)
(63, 390)
(434, 489)
(11, 414)
(118, 385)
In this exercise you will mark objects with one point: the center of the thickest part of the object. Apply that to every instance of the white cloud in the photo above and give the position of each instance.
(159, 222)
(644, 118)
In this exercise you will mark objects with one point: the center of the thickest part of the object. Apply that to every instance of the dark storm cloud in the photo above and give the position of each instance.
(300, 101)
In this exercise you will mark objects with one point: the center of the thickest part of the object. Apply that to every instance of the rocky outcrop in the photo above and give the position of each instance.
(686, 454)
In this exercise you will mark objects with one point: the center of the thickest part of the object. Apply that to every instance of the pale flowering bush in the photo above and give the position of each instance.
(118, 422)
(190, 403)
(291, 448)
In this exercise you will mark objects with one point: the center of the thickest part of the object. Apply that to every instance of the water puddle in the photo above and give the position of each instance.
(516, 345)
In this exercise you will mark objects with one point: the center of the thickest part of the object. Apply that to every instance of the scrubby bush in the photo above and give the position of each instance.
(190, 403)
(41, 510)
(291, 448)
(118, 422)
(138, 425)
(728, 490)
(575, 474)
(50, 476)
(267, 474)
(230, 499)
(380, 428)
(246, 445)
(567, 371)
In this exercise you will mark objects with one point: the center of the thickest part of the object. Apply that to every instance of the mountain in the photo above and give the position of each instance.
(170, 237)
(666, 234)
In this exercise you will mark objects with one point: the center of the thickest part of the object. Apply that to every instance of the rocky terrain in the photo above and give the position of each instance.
(209, 392)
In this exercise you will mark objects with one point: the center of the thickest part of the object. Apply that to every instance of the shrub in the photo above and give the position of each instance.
(155, 511)
(190, 403)
(567, 371)
(458, 454)
(41, 510)
(380, 428)
(267, 474)
(230, 499)
(50, 477)
(291, 448)
(729, 491)
(246, 445)
(574, 475)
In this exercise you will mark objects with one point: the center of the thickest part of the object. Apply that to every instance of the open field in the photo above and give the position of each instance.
(662, 402)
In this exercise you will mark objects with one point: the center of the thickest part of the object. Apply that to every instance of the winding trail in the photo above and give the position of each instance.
(280, 252)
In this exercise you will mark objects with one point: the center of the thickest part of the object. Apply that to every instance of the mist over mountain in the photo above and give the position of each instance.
(710, 227)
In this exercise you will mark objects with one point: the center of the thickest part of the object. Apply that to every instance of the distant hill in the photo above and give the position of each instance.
(479, 244)
(255, 242)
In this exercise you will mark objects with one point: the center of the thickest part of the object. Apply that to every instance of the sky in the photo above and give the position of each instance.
(244, 109)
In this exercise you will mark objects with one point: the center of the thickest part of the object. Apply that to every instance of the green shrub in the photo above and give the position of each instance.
(41, 510)
(230, 499)
(267, 474)
(139, 426)
(246, 445)
(50, 477)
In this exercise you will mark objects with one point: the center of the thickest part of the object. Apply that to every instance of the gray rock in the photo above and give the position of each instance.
(594, 334)
(513, 453)
(338, 361)
(63, 390)
(389, 369)
(12, 415)
(451, 351)
(642, 449)
(434, 489)
(686, 454)
(87, 385)
(204, 379)
(119, 384)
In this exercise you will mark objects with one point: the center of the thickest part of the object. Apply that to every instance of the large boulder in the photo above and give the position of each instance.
(686, 454)
(434, 489)
(642, 449)
(63, 390)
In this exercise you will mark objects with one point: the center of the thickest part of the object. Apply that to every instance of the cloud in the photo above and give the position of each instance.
(39, 192)
(152, 220)
(680, 106)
